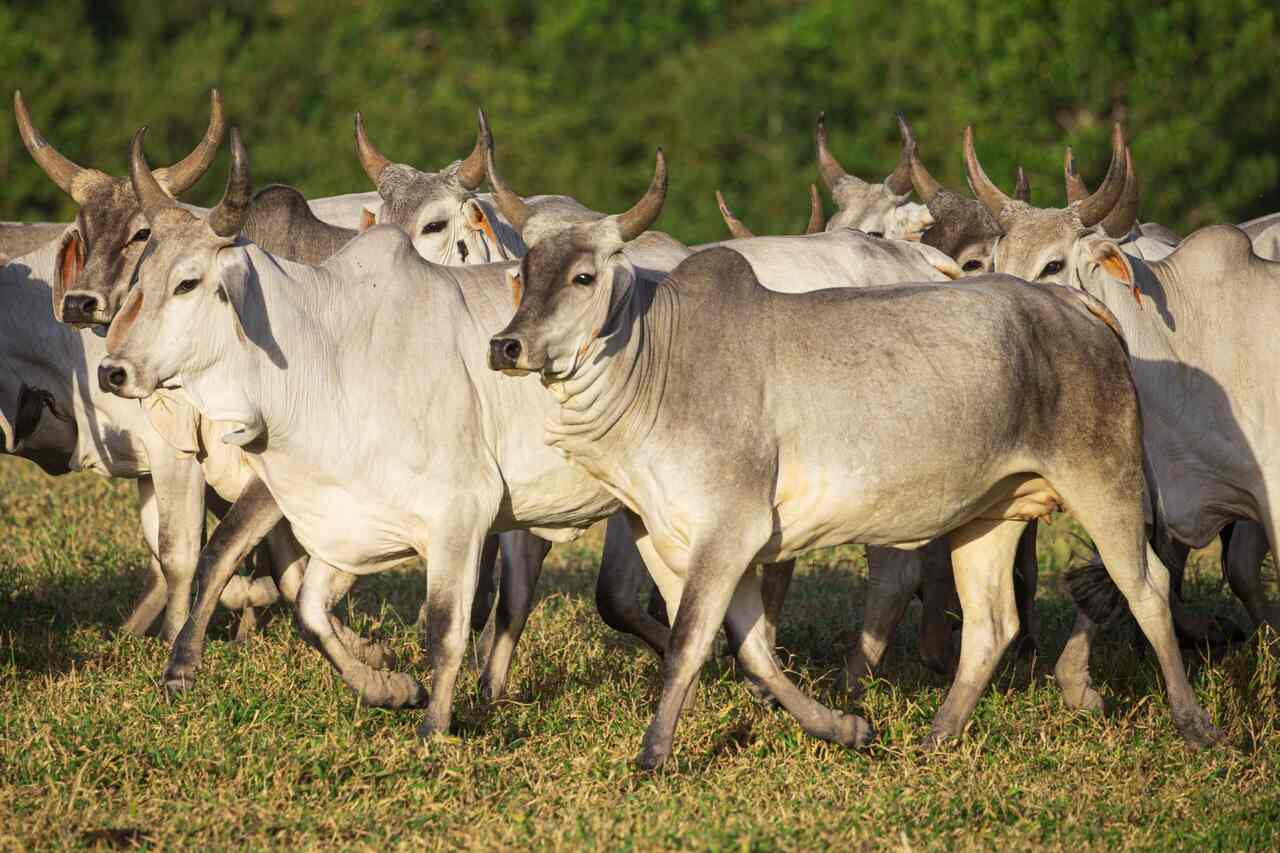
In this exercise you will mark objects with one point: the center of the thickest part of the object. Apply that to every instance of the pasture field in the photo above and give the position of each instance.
(270, 749)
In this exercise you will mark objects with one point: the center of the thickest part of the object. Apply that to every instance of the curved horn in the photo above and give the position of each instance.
(736, 228)
(1077, 190)
(1022, 189)
(471, 172)
(181, 176)
(637, 220)
(1094, 208)
(151, 195)
(1122, 217)
(228, 217)
(899, 180)
(926, 187)
(510, 205)
(59, 169)
(832, 172)
(817, 220)
(991, 196)
(370, 158)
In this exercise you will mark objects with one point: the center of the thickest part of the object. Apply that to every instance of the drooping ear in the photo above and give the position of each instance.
(70, 265)
(1105, 256)
(367, 219)
(235, 278)
(478, 220)
(176, 420)
(938, 260)
(10, 395)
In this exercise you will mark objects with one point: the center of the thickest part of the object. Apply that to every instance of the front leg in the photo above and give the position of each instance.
(151, 603)
(522, 557)
(893, 576)
(179, 494)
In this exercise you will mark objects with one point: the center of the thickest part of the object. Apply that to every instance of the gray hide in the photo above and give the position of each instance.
(21, 238)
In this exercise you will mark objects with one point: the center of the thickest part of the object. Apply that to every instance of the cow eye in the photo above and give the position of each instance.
(143, 235)
(972, 266)
(434, 227)
(186, 286)
(879, 234)
(1051, 268)
(584, 278)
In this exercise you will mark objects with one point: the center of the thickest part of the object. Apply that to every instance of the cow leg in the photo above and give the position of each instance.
(1072, 668)
(151, 602)
(482, 607)
(322, 587)
(622, 579)
(1026, 575)
(1116, 525)
(982, 558)
(252, 516)
(522, 557)
(1242, 565)
(773, 591)
(179, 490)
(893, 576)
(747, 627)
(453, 558)
(940, 614)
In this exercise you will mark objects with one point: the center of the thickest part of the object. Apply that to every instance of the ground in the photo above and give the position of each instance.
(270, 749)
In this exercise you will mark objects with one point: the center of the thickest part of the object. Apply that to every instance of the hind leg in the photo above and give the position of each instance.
(940, 614)
(893, 576)
(1242, 564)
(622, 579)
(522, 556)
(1072, 668)
(1026, 575)
(982, 557)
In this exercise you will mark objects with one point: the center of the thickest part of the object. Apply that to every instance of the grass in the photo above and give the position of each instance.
(270, 749)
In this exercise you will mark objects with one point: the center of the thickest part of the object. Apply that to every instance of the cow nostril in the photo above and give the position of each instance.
(116, 377)
(511, 349)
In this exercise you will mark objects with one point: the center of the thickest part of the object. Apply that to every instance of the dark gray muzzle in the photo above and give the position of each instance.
(504, 353)
(112, 377)
(81, 308)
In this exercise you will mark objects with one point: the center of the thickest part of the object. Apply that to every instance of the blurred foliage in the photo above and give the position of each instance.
(580, 92)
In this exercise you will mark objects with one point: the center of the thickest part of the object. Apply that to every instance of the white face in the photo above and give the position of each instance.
(447, 232)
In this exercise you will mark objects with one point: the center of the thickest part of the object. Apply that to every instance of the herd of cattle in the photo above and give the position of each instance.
(345, 382)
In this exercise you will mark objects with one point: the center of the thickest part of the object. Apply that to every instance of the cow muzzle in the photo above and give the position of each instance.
(119, 377)
(81, 308)
(504, 354)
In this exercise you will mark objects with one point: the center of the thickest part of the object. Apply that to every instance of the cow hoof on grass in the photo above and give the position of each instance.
(1089, 701)
(175, 685)
(1198, 730)
(937, 741)
(853, 731)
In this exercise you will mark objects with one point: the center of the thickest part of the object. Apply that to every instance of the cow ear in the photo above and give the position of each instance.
(478, 220)
(10, 395)
(234, 283)
(175, 420)
(1113, 262)
(367, 219)
(70, 265)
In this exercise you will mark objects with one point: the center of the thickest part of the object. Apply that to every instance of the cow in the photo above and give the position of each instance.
(733, 423)
(281, 220)
(20, 238)
(881, 210)
(816, 224)
(1190, 320)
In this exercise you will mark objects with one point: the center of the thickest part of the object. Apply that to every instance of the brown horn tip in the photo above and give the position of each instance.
(1077, 190)
(60, 170)
(828, 167)
(1022, 189)
(512, 207)
(899, 180)
(184, 174)
(1094, 208)
(370, 158)
(991, 196)
(228, 218)
(817, 220)
(736, 228)
(471, 172)
(637, 220)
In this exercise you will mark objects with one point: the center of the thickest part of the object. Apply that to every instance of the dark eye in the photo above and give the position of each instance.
(186, 286)
(143, 235)
(434, 227)
(879, 234)
(1051, 268)
(583, 278)
(972, 266)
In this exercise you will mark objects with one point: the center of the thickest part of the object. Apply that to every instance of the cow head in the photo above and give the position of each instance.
(817, 221)
(880, 209)
(571, 283)
(1037, 242)
(439, 211)
(97, 256)
(186, 309)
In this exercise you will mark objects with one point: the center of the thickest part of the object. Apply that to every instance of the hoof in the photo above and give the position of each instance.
(1089, 701)
(1199, 731)
(490, 692)
(937, 741)
(176, 685)
(650, 759)
(852, 731)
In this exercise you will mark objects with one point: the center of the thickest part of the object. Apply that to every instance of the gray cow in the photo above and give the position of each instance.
(705, 404)
(882, 210)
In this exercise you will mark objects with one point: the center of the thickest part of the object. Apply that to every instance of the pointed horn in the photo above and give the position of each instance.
(59, 169)
(832, 172)
(510, 205)
(182, 176)
(817, 219)
(471, 172)
(151, 195)
(736, 228)
(992, 198)
(637, 220)
(1122, 217)
(370, 158)
(1077, 190)
(1093, 209)
(926, 187)
(899, 181)
(1022, 189)
(227, 219)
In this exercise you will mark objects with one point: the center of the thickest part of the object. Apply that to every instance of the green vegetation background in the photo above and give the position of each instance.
(580, 92)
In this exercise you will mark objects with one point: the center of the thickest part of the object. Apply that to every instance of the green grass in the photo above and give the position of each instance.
(270, 749)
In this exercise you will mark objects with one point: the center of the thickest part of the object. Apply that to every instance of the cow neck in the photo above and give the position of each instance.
(613, 399)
